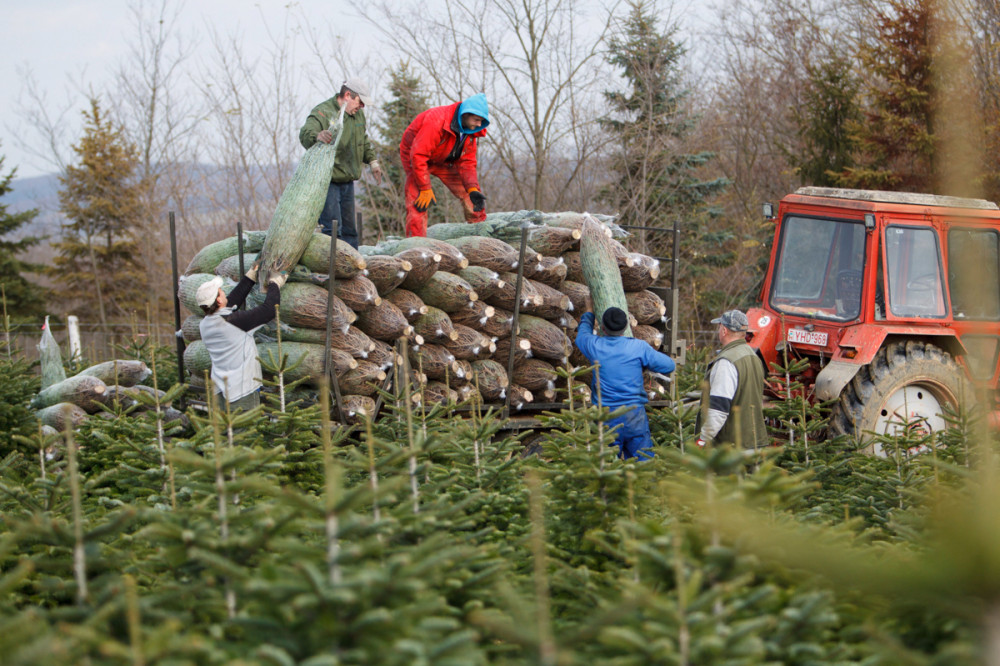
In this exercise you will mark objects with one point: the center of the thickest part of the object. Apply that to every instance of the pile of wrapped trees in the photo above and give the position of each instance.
(451, 295)
(66, 402)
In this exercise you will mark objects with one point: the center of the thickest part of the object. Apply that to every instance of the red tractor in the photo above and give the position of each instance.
(894, 298)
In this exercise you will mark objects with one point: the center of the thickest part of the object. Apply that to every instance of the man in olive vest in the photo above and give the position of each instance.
(735, 391)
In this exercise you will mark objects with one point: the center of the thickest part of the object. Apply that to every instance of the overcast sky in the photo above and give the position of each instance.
(70, 44)
(66, 42)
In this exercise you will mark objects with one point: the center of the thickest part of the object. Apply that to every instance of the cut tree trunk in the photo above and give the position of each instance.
(365, 379)
(520, 397)
(435, 361)
(88, 393)
(499, 324)
(387, 272)
(210, 256)
(486, 282)
(311, 356)
(316, 257)
(504, 298)
(554, 303)
(121, 372)
(435, 325)
(62, 415)
(600, 271)
(553, 241)
(357, 408)
(522, 350)
(424, 264)
(306, 305)
(485, 252)
(469, 344)
(384, 322)
(358, 293)
(550, 271)
(642, 274)
(578, 294)
(451, 257)
(547, 340)
(490, 379)
(645, 306)
(475, 316)
(447, 291)
(408, 303)
(649, 334)
(468, 393)
(535, 374)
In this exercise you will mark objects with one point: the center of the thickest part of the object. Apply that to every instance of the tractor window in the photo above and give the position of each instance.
(913, 266)
(973, 278)
(819, 268)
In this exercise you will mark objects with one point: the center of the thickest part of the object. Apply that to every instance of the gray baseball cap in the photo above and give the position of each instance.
(734, 320)
(361, 88)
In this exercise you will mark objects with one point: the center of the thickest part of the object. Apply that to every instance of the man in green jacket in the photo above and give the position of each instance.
(734, 394)
(353, 150)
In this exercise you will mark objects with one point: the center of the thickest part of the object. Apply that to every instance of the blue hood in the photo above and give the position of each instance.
(476, 104)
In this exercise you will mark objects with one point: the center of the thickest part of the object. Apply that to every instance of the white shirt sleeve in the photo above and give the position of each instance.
(723, 381)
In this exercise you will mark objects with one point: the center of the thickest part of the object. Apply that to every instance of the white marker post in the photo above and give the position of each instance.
(75, 350)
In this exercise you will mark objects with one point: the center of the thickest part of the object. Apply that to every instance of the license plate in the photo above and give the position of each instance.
(817, 338)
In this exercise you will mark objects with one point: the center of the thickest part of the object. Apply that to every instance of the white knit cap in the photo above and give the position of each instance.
(209, 291)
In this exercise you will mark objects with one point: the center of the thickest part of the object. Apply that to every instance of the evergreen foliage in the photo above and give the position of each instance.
(386, 200)
(99, 266)
(25, 300)
(429, 537)
(896, 139)
(656, 178)
(830, 111)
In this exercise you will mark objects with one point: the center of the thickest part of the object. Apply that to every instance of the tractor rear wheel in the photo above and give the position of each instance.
(905, 382)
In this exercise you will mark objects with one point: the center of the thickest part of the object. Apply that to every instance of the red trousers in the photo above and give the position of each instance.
(416, 222)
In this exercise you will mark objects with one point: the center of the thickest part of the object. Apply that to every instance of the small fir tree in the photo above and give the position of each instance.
(896, 138)
(829, 112)
(386, 200)
(656, 180)
(25, 299)
(99, 262)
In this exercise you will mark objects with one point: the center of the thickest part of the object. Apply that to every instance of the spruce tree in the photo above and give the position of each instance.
(386, 200)
(99, 262)
(826, 118)
(655, 179)
(24, 298)
(896, 138)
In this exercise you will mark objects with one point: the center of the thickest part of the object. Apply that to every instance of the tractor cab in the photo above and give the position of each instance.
(893, 297)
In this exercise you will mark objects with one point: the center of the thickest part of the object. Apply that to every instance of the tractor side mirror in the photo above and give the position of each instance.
(768, 209)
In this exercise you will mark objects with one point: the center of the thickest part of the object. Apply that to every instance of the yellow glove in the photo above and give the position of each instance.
(424, 200)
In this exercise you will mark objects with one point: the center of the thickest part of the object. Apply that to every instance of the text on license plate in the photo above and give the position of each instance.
(817, 338)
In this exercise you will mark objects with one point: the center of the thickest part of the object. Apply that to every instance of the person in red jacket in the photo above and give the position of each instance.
(442, 141)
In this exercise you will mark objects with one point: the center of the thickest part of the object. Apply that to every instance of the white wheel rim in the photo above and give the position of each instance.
(915, 404)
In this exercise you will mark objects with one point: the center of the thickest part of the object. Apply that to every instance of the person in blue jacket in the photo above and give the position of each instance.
(620, 361)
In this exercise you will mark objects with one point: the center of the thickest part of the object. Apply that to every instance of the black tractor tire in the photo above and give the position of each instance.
(924, 375)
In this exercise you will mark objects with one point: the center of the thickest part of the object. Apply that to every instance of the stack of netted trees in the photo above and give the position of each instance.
(452, 296)
(66, 402)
